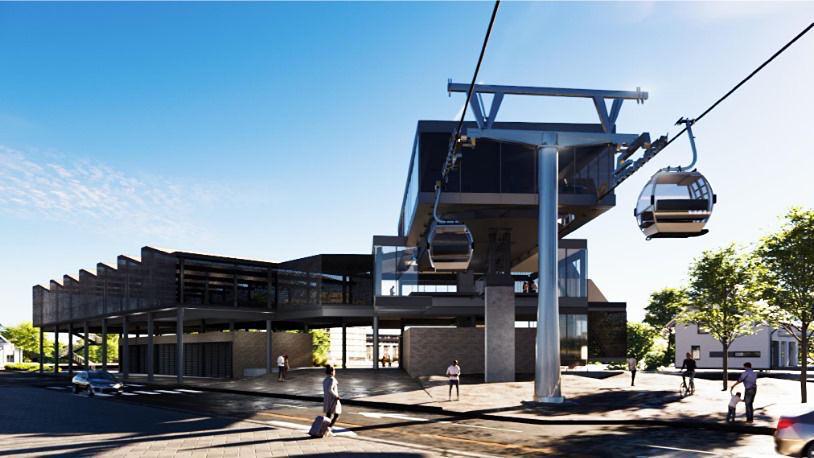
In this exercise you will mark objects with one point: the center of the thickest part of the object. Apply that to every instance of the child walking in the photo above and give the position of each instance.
(733, 403)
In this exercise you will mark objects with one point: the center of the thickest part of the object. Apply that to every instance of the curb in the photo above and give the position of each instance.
(735, 428)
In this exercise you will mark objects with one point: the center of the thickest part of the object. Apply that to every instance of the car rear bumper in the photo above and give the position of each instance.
(789, 447)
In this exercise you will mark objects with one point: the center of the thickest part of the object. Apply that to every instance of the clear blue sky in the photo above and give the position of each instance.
(273, 131)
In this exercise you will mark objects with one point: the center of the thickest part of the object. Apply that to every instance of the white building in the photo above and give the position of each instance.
(9, 353)
(767, 348)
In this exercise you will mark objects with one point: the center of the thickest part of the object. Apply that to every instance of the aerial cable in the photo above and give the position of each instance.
(625, 172)
(742, 82)
(454, 145)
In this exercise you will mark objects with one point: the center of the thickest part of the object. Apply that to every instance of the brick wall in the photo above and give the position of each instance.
(428, 351)
(249, 350)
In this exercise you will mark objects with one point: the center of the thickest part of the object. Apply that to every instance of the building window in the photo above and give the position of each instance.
(696, 352)
(735, 354)
(701, 329)
(9, 358)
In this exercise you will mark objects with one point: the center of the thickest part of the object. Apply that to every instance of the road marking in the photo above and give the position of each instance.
(103, 395)
(305, 428)
(56, 388)
(134, 385)
(146, 392)
(184, 390)
(291, 405)
(129, 394)
(165, 391)
(187, 420)
(482, 427)
(680, 449)
(397, 416)
(543, 451)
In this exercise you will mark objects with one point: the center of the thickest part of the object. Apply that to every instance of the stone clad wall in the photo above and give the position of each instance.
(249, 350)
(428, 351)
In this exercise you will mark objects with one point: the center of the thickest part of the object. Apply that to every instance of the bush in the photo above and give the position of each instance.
(28, 367)
(656, 356)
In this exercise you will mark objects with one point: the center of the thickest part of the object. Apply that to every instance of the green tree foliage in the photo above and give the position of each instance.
(664, 306)
(321, 339)
(640, 337)
(787, 273)
(25, 337)
(723, 294)
(95, 351)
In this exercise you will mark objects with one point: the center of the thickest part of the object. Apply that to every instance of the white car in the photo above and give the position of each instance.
(794, 435)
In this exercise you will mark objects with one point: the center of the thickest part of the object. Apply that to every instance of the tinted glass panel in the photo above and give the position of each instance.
(518, 166)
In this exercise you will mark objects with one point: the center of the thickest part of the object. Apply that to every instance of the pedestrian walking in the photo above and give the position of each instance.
(281, 368)
(287, 367)
(632, 366)
(331, 403)
(733, 404)
(749, 380)
(454, 374)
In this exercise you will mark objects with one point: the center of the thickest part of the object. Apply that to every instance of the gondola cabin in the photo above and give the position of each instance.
(675, 204)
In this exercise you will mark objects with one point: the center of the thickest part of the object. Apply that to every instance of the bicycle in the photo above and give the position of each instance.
(685, 390)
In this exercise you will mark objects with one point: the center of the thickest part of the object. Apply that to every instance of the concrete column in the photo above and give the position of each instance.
(269, 348)
(56, 349)
(499, 334)
(42, 350)
(179, 346)
(70, 348)
(150, 347)
(375, 342)
(87, 344)
(104, 344)
(547, 365)
(124, 358)
(344, 346)
(401, 345)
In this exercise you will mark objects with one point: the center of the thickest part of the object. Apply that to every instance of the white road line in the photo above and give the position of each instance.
(134, 385)
(129, 394)
(482, 427)
(187, 420)
(165, 392)
(184, 390)
(56, 388)
(146, 392)
(680, 449)
(291, 405)
(103, 395)
(305, 428)
(397, 416)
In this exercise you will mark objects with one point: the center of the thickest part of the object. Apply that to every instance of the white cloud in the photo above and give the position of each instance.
(100, 198)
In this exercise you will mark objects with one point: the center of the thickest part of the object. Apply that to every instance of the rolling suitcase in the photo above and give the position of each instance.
(319, 427)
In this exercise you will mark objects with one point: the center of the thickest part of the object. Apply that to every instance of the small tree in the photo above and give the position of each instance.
(640, 337)
(787, 261)
(662, 308)
(723, 295)
(27, 338)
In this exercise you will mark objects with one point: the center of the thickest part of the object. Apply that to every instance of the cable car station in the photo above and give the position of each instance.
(473, 254)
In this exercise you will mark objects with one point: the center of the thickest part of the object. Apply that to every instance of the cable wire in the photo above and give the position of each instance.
(452, 153)
(743, 81)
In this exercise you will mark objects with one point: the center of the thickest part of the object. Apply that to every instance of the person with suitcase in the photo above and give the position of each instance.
(331, 402)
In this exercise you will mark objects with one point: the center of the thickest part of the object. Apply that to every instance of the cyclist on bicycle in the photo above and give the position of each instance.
(689, 365)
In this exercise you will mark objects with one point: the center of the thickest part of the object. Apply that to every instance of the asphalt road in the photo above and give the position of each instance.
(441, 434)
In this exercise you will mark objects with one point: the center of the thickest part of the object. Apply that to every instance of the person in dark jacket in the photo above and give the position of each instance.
(689, 365)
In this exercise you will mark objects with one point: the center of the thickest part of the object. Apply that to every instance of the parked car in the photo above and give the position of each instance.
(794, 435)
(96, 382)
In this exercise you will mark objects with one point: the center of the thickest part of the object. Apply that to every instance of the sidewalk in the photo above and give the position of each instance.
(588, 398)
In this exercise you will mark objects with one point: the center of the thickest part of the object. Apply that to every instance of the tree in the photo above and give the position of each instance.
(321, 339)
(787, 272)
(95, 351)
(662, 308)
(640, 337)
(26, 337)
(722, 298)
